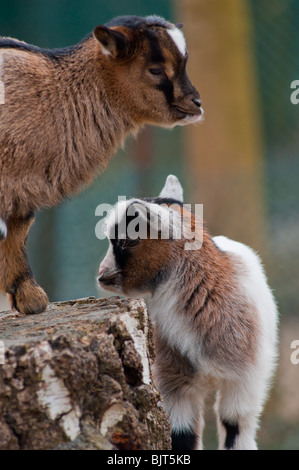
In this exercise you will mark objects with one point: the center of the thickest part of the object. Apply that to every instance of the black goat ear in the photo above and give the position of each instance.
(113, 42)
(179, 25)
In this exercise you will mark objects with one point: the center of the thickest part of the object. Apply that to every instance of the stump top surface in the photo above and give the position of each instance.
(63, 317)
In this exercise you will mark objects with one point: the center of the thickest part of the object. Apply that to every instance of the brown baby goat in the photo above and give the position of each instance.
(64, 115)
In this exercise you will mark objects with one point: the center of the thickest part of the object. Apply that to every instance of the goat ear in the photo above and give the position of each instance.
(172, 189)
(113, 42)
(179, 25)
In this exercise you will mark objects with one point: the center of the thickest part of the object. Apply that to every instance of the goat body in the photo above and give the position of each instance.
(66, 112)
(214, 319)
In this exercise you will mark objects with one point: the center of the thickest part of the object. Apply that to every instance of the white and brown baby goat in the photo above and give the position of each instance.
(65, 113)
(213, 313)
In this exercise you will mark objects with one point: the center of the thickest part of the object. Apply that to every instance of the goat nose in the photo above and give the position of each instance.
(197, 102)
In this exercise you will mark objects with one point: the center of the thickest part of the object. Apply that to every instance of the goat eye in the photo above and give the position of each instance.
(156, 71)
(130, 242)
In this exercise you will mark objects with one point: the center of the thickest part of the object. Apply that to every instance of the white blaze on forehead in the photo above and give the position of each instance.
(179, 40)
(115, 216)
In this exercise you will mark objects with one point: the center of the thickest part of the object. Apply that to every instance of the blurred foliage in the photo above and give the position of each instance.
(275, 37)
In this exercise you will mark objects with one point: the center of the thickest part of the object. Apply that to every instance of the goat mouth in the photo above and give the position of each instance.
(108, 278)
(183, 113)
(184, 117)
(106, 281)
(110, 283)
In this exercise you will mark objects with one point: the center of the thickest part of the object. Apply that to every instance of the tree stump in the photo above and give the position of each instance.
(78, 376)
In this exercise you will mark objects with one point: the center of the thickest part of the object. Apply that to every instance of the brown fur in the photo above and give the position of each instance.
(207, 289)
(226, 322)
(172, 370)
(64, 117)
(140, 271)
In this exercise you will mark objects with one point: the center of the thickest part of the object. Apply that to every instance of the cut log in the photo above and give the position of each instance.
(78, 376)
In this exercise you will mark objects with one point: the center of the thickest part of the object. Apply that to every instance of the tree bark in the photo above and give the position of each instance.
(78, 377)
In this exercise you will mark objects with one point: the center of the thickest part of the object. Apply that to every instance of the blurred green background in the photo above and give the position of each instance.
(241, 162)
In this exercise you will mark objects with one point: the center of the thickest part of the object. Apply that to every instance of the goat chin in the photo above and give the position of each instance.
(190, 120)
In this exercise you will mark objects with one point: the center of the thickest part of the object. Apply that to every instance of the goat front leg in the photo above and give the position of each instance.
(183, 399)
(16, 278)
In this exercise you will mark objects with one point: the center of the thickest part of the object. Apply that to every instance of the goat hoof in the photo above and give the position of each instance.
(29, 298)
